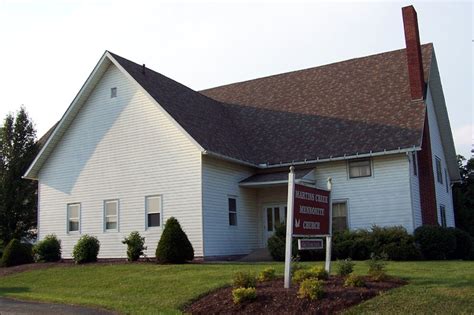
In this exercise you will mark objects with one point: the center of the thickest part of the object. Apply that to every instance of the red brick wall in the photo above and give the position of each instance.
(429, 212)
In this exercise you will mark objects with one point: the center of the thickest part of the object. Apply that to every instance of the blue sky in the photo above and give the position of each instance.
(50, 47)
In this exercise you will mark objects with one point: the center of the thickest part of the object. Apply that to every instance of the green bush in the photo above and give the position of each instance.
(135, 246)
(311, 288)
(240, 295)
(319, 273)
(435, 242)
(277, 243)
(86, 249)
(174, 245)
(295, 266)
(463, 244)
(244, 280)
(395, 242)
(48, 249)
(16, 253)
(1, 249)
(354, 280)
(301, 275)
(377, 265)
(345, 267)
(267, 274)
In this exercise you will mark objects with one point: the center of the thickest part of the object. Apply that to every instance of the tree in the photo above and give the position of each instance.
(18, 202)
(463, 195)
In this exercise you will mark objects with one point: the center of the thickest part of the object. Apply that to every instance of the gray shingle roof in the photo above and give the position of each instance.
(355, 106)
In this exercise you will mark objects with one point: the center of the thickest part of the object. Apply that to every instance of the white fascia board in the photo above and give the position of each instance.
(74, 107)
(173, 121)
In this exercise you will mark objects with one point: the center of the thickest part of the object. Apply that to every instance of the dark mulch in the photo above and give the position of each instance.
(272, 298)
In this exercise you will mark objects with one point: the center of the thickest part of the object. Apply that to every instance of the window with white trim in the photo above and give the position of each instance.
(442, 212)
(153, 211)
(339, 216)
(360, 168)
(446, 179)
(232, 211)
(111, 211)
(73, 217)
(415, 164)
(113, 92)
(439, 174)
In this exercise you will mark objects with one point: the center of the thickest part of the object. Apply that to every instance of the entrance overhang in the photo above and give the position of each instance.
(280, 178)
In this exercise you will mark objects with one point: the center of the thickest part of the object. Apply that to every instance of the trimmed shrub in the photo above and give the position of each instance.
(174, 245)
(240, 295)
(135, 246)
(345, 267)
(354, 280)
(276, 243)
(463, 244)
(86, 249)
(435, 242)
(377, 264)
(244, 280)
(395, 242)
(319, 273)
(16, 253)
(48, 249)
(301, 275)
(311, 288)
(295, 266)
(267, 274)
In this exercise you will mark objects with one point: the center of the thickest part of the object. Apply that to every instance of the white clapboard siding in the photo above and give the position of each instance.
(221, 181)
(382, 199)
(121, 148)
(415, 191)
(443, 197)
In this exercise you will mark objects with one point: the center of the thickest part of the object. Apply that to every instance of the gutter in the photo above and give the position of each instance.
(317, 160)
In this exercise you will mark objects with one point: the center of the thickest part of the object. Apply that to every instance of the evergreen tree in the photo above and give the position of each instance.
(463, 195)
(18, 202)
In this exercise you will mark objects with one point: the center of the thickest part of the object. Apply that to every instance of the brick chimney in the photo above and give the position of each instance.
(415, 63)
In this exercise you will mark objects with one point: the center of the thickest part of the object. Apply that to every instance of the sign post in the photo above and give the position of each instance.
(309, 215)
(329, 237)
(289, 226)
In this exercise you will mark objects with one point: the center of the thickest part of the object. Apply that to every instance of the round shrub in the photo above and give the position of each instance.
(135, 246)
(277, 243)
(267, 274)
(244, 280)
(319, 273)
(174, 245)
(48, 249)
(301, 275)
(86, 249)
(16, 253)
(240, 295)
(311, 288)
(435, 242)
(345, 267)
(463, 244)
(354, 280)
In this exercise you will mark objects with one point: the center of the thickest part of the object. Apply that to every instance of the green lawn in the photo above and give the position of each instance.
(435, 287)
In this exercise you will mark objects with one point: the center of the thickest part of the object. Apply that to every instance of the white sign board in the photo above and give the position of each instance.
(310, 243)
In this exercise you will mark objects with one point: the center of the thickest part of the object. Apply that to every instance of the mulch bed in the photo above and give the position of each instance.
(272, 298)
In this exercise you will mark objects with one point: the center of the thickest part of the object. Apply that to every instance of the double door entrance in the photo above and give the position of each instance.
(273, 215)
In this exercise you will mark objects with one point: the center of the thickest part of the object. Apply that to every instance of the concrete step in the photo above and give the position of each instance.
(259, 254)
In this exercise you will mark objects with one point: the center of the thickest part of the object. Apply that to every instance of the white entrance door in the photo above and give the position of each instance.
(273, 215)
